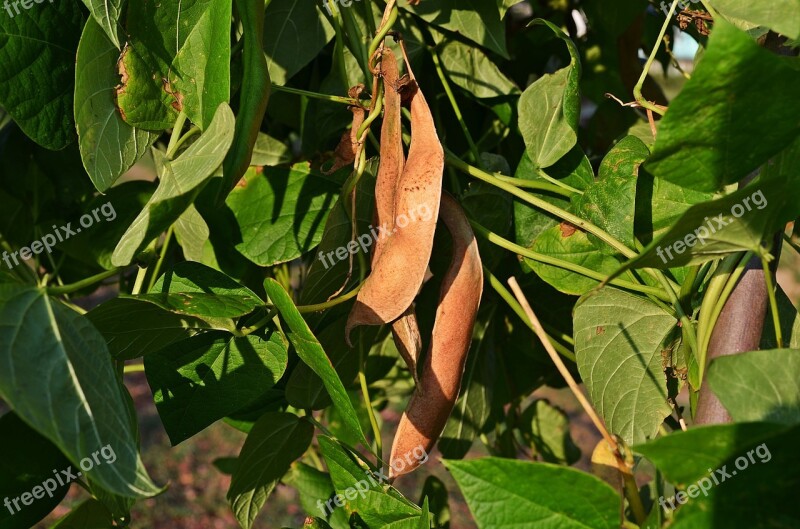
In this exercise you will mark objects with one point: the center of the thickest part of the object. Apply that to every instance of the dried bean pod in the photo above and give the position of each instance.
(399, 270)
(433, 400)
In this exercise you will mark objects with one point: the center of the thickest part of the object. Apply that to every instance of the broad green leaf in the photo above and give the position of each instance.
(134, 328)
(106, 14)
(759, 385)
(295, 31)
(281, 212)
(477, 20)
(192, 233)
(108, 145)
(510, 493)
(473, 406)
(781, 15)
(181, 180)
(567, 243)
(714, 229)
(311, 353)
(202, 379)
(91, 514)
(29, 462)
(549, 110)
(492, 209)
(618, 342)
(327, 275)
(57, 375)
(312, 485)
(573, 170)
(548, 428)
(660, 204)
(609, 202)
(177, 59)
(270, 151)
(754, 488)
(276, 440)
(470, 68)
(360, 490)
(37, 51)
(197, 290)
(711, 136)
(685, 457)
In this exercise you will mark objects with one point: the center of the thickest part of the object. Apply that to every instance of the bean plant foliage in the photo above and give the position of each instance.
(194, 189)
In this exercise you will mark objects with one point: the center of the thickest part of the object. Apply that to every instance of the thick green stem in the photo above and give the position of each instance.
(80, 285)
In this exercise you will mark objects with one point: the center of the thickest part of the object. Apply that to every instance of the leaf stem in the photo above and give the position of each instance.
(637, 89)
(773, 303)
(83, 283)
(316, 95)
(133, 368)
(536, 184)
(176, 134)
(566, 265)
(362, 380)
(162, 255)
(473, 149)
(306, 309)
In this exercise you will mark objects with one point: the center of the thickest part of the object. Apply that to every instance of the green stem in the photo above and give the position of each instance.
(373, 421)
(306, 309)
(80, 285)
(637, 90)
(133, 368)
(191, 132)
(164, 248)
(563, 214)
(137, 285)
(316, 95)
(338, 48)
(515, 306)
(384, 30)
(536, 184)
(559, 183)
(476, 158)
(773, 303)
(176, 134)
(566, 265)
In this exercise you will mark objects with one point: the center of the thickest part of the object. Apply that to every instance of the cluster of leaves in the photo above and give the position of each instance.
(233, 322)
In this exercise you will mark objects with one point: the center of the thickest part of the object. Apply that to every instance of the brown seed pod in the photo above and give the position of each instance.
(433, 400)
(405, 332)
(399, 270)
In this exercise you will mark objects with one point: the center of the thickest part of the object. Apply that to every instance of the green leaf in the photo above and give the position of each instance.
(281, 212)
(29, 462)
(202, 379)
(470, 68)
(108, 145)
(134, 328)
(509, 493)
(177, 58)
(270, 151)
(737, 222)
(609, 202)
(685, 457)
(91, 514)
(37, 51)
(477, 20)
(276, 440)
(312, 485)
(548, 428)
(711, 136)
(295, 31)
(106, 14)
(618, 342)
(473, 406)
(569, 244)
(181, 181)
(759, 385)
(197, 290)
(549, 109)
(311, 353)
(789, 320)
(192, 233)
(783, 16)
(360, 490)
(78, 403)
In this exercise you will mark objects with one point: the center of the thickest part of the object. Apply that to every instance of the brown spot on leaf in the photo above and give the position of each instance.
(567, 229)
(600, 330)
(123, 74)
